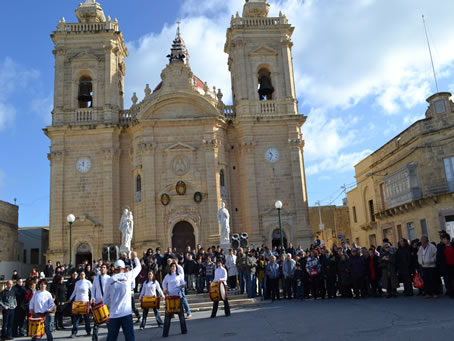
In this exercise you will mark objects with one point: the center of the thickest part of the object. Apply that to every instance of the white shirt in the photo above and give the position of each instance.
(97, 293)
(117, 293)
(41, 301)
(180, 270)
(81, 289)
(220, 274)
(230, 263)
(172, 284)
(150, 288)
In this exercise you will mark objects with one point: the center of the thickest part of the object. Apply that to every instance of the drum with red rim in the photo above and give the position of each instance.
(218, 291)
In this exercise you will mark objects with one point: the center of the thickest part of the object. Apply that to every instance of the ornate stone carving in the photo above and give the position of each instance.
(180, 165)
(297, 143)
(57, 156)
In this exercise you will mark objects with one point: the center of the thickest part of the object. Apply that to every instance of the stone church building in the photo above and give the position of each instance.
(173, 157)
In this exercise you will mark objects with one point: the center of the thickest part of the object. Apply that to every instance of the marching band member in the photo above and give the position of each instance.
(220, 275)
(42, 304)
(81, 294)
(99, 286)
(151, 287)
(172, 284)
(117, 297)
(184, 300)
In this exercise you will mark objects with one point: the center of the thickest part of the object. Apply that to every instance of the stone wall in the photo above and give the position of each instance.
(9, 214)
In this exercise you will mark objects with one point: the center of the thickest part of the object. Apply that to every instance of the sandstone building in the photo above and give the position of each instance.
(406, 188)
(175, 155)
(335, 221)
(9, 215)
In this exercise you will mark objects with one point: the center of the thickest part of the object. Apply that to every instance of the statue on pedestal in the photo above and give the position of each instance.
(223, 219)
(126, 228)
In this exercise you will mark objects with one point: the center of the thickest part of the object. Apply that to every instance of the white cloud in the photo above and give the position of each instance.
(342, 163)
(13, 77)
(43, 107)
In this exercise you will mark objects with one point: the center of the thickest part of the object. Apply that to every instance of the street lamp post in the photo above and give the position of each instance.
(321, 226)
(70, 218)
(278, 205)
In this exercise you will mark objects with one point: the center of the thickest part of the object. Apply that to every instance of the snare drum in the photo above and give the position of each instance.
(36, 326)
(172, 304)
(80, 308)
(100, 313)
(217, 291)
(150, 302)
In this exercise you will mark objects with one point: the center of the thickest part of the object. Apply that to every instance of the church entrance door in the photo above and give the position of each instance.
(276, 238)
(183, 236)
(83, 253)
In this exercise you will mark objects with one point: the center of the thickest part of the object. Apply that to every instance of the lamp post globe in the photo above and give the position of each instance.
(278, 205)
(70, 219)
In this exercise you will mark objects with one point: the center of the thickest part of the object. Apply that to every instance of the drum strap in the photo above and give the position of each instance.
(100, 286)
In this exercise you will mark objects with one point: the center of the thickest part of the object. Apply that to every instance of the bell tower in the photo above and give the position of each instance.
(260, 59)
(89, 68)
(265, 137)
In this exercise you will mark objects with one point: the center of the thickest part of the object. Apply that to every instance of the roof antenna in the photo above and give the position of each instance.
(430, 53)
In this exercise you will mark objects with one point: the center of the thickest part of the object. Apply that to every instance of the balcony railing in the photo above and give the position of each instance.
(229, 112)
(85, 115)
(239, 21)
(88, 27)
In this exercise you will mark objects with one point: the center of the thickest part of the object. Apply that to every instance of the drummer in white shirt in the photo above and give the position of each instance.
(117, 297)
(173, 284)
(81, 293)
(151, 287)
(42, 304)
(220, 275)
(99, 286)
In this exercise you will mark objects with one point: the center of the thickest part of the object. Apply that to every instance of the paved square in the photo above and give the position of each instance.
(403, 318)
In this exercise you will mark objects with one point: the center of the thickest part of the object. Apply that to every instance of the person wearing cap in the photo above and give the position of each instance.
(117, 297)
(99, 286)
(133, 304)
(81, 294)
(173, 284)
(220, 275)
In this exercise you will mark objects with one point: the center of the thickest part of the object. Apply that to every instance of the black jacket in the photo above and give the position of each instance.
(403, 260)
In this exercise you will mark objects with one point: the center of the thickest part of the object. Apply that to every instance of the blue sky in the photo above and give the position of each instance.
(362, 74)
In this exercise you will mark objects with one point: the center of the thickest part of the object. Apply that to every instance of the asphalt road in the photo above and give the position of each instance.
(403, 318)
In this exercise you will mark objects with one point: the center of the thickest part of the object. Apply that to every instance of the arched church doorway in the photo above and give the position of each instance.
(276, 238)
(83, 253)
(183, 236)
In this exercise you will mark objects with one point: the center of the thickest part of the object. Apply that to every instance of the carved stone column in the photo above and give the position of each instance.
(111, 192)
(302, 232)
(210, 232)
(58, 227)
(250, 197)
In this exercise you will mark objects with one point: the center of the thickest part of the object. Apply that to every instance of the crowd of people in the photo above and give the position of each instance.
(315, 273)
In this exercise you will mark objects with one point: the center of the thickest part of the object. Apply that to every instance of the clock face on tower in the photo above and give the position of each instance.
(272, 155)
(83, 165)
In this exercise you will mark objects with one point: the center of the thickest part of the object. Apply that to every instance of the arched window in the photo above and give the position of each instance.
(222, 178)
(265, 86)
(85, 96)
(222, 183)
(138, 188)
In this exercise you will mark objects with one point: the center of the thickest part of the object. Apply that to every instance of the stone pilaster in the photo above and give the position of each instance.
(210, 225)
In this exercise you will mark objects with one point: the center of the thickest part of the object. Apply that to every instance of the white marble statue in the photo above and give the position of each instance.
(126, 228)
(223, 219)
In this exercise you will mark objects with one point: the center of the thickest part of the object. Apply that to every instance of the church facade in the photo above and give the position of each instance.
(176, 155)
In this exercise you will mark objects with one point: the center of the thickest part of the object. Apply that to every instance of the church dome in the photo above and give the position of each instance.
(90, 12)
(196, 81)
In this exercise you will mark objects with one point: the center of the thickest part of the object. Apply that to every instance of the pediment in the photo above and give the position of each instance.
(264, 51)
(85, 56)
(180, 147)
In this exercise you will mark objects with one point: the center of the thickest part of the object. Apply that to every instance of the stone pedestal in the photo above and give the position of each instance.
(226, 246)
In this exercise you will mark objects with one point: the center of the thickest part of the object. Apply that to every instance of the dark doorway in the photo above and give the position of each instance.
(83, 253)
(276, 238)
(183, 236)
